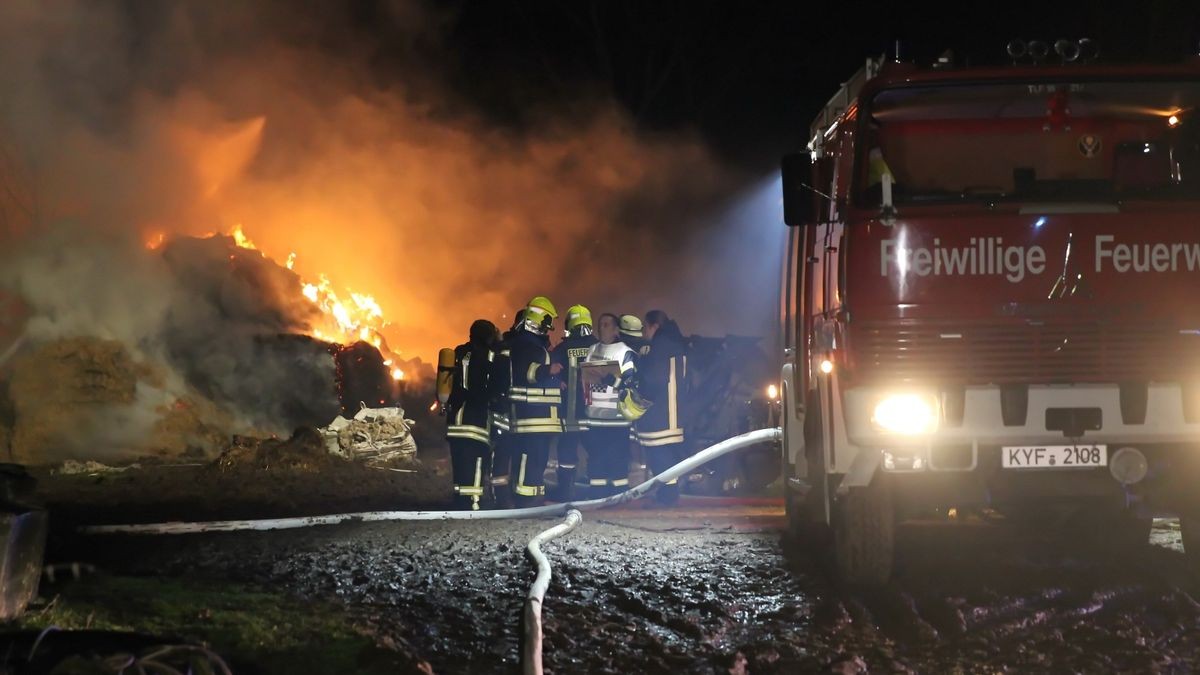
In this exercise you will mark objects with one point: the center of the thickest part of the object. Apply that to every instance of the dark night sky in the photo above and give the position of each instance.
(750, 75)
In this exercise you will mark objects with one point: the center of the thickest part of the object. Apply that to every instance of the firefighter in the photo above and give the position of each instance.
(607, 440)
(632, 334)
(568, 353)
(502, 437)
(663, 372)
(468, 415)
(536, 397)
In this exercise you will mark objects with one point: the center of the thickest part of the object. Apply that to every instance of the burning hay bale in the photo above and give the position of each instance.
(60, 387)
(192, 426)
(88, 388)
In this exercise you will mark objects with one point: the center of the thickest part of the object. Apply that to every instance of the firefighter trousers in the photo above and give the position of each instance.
(660, 458)
(471, 466)
(502, 443)
(566, 450)
(608, 457)
(530, 454)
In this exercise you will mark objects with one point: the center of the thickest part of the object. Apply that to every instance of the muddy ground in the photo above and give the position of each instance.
(712, 586)
(253, 487)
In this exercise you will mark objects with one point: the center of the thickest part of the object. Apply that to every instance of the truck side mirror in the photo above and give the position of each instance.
(799, 200)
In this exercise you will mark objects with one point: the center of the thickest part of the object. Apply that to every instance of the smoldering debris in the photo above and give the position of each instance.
(303, 452)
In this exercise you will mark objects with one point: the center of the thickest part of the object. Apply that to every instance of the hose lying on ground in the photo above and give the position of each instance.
(531, 654)
(532, 645)
(681, 469)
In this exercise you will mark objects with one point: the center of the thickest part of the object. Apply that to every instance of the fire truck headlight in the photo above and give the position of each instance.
(906, 414)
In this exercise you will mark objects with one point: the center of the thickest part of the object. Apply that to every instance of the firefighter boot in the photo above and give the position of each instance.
(502, 497)
(523, 502)
(565, 490)
(467, 503)
(667, 495)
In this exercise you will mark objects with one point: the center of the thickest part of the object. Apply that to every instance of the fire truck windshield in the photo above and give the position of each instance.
(1023, 142)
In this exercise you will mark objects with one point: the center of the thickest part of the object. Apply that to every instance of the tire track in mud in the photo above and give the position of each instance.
(1020, 606)
(639, 599)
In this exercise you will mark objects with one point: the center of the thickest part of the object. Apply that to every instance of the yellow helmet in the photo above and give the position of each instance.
(631, 405)
(578, 315)
(540, 314)
(539, 307)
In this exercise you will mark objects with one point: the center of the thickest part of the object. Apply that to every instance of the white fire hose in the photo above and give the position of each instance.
(681, 469)
(531, 654)
(532, 647)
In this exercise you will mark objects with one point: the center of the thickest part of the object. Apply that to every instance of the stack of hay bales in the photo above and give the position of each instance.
(87, 399)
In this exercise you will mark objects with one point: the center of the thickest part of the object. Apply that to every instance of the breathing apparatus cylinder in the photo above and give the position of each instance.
(445, 375)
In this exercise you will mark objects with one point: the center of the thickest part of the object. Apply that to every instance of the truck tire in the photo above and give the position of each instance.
(864, 534)
(806, 513)
(1128, 533)
(1115, 530)
(1189, 529)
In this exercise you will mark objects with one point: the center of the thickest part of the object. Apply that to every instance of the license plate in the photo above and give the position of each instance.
(1053, 456)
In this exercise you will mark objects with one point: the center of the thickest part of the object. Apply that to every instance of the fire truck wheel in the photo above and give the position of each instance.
(1128, 533)
(1116, 530)
(1189, 527)
(864, 534)
(806, 514)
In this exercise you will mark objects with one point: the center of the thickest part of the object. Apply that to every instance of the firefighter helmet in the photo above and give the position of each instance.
(540, 314)
(578, 315)
(631, 325)
(631, 405)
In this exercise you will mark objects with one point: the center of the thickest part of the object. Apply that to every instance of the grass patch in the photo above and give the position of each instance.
(255, 631)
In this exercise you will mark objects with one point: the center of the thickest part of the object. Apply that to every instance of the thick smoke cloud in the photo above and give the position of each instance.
(215, 315)
(133, 119)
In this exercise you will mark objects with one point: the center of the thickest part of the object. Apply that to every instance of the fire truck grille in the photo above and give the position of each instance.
(1022, 353)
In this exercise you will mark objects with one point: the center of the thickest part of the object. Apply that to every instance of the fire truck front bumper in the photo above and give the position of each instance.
(992, 444)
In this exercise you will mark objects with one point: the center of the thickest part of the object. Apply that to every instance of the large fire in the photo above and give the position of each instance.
(347, 317)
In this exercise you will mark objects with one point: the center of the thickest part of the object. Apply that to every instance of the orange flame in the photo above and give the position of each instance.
(347, 317)
(241, 239)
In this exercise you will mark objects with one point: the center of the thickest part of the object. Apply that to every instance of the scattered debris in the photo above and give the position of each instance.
(304, 452)
(92, 468)
(376, 436)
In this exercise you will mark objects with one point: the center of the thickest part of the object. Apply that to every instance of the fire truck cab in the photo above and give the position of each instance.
(991, 304)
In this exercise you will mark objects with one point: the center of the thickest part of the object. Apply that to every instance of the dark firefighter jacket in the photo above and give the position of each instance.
(663, 371)
(468, 412)
(534, 393)
(570, 353)
(501, 382)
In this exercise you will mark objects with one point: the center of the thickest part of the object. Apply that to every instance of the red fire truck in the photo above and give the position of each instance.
(991, 303)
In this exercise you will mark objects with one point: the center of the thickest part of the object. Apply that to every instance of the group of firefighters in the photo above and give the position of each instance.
(607, 384)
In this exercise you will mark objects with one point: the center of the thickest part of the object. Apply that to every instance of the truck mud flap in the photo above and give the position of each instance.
(23, 533)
